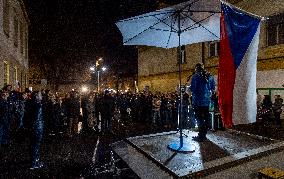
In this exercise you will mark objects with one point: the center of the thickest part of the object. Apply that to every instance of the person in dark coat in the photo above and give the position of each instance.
(107, 110)
(73, 113)
(202, 86)
(59, 114)
(123, 105)
(21, 109)
(96, 104)
(277, 110)
(28, 107)
(37, 129)
(12, 102)
(85, 111)
(21, 129)
(266, 109)
(4, 119)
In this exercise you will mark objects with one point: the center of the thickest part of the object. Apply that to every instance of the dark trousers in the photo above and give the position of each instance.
(4, 132)
(73, 126)
(202, 116)
(36, 139)
(85, 120)
(106, 123)
(277, 118)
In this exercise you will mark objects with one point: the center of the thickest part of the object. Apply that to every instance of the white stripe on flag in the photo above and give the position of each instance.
(244, 94)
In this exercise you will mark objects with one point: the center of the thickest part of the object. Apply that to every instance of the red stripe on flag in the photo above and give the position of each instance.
(226, 77)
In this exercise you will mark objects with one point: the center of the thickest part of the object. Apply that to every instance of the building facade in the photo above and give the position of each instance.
(14, 25)
(158, 67)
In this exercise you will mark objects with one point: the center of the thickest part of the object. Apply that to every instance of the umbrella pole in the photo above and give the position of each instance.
(181, 147)
(180, 92)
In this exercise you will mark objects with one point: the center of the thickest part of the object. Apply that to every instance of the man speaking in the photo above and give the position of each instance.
(202, 86)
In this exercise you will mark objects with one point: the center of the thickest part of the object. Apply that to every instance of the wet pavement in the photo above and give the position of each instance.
(150, 157)
(63, 157)
(222, 150)
(77, 157)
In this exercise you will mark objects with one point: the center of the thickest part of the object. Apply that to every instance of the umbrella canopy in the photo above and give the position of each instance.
(186, 23)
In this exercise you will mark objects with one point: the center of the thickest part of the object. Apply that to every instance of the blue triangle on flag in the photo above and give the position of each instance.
(241, 28)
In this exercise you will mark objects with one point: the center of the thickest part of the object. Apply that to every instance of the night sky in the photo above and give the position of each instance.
(70, 31)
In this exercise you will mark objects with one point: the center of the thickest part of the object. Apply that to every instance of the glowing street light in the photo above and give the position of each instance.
(96, 68)
(103, 69)
(92, 68)
(98, 61)
(84, 89)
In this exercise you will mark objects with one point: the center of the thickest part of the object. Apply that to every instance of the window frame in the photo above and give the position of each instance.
(273, 25)
(6, 78)
(15, 75)
(216, 48)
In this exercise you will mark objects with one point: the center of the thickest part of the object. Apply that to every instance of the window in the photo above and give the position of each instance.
(214, 48)
(16, 31)
(26, 80)
(6, 73)
(15, 74)
(22, 76)
(6, 18)
(275, 30)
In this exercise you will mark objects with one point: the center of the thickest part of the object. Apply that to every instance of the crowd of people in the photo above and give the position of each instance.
(18, 111)
(268, 111)
(45, 113)
(37, 114)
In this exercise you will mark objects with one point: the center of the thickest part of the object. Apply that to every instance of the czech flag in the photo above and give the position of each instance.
(237, 66)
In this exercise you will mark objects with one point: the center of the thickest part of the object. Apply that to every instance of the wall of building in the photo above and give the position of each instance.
(158, 68)
(14, 56)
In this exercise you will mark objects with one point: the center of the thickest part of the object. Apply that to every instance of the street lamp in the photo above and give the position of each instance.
(92, 68)
(103, 69)
(84, 89)
(96, 68)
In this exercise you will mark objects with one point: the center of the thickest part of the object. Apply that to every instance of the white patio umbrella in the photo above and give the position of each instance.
(186, 23)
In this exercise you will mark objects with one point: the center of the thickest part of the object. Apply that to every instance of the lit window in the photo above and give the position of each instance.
(6, 73)
(26, 80)
(22, 76)
(15, 74)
